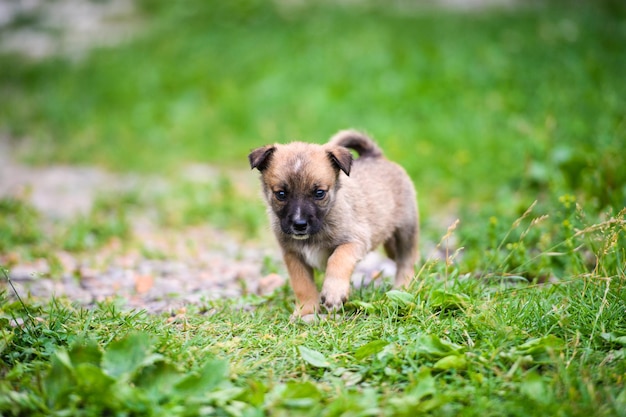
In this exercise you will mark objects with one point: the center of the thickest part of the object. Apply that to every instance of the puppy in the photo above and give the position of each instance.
(328, 211)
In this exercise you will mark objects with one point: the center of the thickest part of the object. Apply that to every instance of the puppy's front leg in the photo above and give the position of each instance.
(301, 278)
(339, 270)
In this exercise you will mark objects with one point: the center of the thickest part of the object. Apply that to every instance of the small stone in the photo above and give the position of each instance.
(143, 283)
(270, 283)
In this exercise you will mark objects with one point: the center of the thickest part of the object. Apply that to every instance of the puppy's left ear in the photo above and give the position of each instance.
(260, 157)
(341, 158)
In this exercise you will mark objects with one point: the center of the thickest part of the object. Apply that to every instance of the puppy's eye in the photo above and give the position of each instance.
(280, 195)
(319, 194)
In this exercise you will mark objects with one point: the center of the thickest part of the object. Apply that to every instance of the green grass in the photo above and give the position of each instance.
(489, 111)
(527, 351)
(476, 106)
(458, 342)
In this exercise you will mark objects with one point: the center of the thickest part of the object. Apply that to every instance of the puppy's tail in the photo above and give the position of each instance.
(358, 141)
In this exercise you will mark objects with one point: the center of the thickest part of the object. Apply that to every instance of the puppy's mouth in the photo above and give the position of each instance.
(300, 237)
(299, 227)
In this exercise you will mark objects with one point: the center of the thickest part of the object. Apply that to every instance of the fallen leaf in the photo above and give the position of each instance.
(313, 357)
(143, 283)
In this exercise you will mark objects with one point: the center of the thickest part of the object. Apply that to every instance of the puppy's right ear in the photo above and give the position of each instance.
(260, 157)
(341, 158)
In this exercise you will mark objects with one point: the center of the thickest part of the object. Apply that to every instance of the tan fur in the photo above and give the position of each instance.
(328, 211)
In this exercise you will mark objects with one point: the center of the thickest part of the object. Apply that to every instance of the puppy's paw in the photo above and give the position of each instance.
(308, 318)
(334, 293)
(306, 309)
(402, 282)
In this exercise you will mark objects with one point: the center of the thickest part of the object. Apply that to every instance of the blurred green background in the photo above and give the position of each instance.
(488, 109)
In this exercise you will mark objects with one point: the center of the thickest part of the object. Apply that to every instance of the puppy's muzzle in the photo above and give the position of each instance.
(300, 221)
(300, 228)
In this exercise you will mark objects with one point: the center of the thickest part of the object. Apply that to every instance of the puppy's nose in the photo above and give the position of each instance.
(300, 225)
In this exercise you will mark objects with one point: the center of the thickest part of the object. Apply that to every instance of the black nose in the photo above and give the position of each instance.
(300, 225)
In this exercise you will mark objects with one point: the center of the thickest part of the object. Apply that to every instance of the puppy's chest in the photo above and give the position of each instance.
(315, 257)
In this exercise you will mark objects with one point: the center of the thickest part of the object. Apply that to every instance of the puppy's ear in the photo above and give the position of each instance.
(341, 158)
(260, 157)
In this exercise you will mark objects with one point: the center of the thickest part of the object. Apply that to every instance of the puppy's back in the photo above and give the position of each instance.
(379, 192)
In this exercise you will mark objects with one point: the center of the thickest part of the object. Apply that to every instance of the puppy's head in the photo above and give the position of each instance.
(300, 181)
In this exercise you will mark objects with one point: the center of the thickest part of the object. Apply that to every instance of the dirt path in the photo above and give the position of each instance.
(68, 27)
(189, 265)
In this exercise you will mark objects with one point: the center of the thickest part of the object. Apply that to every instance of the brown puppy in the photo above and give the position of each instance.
(329, 211)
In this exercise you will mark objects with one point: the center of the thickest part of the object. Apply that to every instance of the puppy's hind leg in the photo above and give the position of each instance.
(402, 248)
